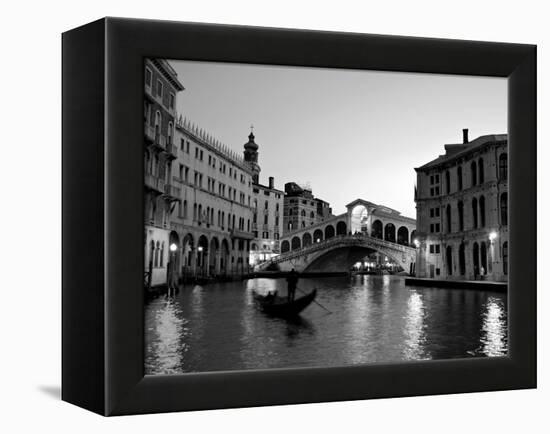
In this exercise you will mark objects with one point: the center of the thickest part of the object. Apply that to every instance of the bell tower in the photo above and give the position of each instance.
(251, 155)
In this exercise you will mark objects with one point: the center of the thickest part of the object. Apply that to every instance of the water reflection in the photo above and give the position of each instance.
(373, 319)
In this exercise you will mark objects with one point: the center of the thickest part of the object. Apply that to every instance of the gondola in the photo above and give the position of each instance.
(274, 305)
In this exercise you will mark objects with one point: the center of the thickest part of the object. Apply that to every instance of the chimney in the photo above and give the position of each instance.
(465, 135)
(271, 182)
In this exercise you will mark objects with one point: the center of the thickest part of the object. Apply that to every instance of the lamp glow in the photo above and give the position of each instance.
(200, 249)
(492, 236)
(173, 247)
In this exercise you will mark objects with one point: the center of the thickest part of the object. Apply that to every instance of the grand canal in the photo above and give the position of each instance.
(374, 319)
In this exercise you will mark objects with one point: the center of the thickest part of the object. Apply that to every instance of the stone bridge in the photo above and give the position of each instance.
(339, 253)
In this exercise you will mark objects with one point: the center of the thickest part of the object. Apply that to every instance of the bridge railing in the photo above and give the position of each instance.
(338, 239)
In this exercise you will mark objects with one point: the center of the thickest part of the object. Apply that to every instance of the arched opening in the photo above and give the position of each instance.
(389, 232)
(482, 211)
(306, 239)
(460, 207)
(462, 259)
(474, 213)
(329, 232)
(295, 243)
(224, 257)
(285, 246)
(505, 258)
(473, 173)
(448, 181)
(158, 123)
(504, 209)
(213, 256)
(403, 236)
(187, 255)
(481, 171)
(202, 256)
(459, 177)
(483, 252)
(449, 257)
(503, 167)
(341, 228)
(475, 259)
(174, 255)
(318, 236)
(377, 231)
(359, 219)
(449, 222)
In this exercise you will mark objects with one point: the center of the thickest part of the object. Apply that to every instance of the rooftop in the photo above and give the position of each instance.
(455, 151)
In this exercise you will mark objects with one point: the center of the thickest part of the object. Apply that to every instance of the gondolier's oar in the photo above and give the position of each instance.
(315, 301)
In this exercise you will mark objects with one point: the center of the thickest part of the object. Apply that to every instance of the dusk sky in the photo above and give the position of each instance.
(349, 134)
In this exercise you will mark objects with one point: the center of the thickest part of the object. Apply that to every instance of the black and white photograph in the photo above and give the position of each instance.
(299, 217)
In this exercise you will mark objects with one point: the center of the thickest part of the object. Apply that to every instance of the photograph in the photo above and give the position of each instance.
(300, 217)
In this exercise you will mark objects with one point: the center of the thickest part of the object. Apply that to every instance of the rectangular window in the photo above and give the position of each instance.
(437, 227)
(432, 250)
(172, 101)
(159, 88)
(437, 212)
(437, 248)
(181, 171)
(196, 152)
(187, 146)
(437, 271)
(201, 155)
(182, 143)
(432, 212)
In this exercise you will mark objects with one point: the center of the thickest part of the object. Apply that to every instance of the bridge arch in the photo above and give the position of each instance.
(318, 236)
(285, 246)
(341, 228)
(329, 232)
(403, 236)
(306, 239)
(377, 229)
(295, 243)
(389, 232)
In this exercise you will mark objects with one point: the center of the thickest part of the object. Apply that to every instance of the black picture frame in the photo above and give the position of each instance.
(103, 347)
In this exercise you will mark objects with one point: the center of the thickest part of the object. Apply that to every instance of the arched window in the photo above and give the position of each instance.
(151, 252)
(473, 173)
(460, 207)
(504, 209)
(449, 222)
(449, 255)
(505, 257)
(162, 255)
(448, 181)
(481, 171)
(295, 243)
(482, 211)
(474, 213)
(459, 177)
(290, 211)
(503, 166)
(403, 236)
(200, 213)
(462, 259)
(303, 213)
(318, 235)
(170, 129)
(483, 252)
(195, 212)
(185, 209)
(312, 215)
(475, 258)
(389, 232)
(329, 232)
(306, 239)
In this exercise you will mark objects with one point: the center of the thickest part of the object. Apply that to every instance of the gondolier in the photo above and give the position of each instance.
(292, 282)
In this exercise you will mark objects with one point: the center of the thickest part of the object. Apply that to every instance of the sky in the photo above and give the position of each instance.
(347, 133)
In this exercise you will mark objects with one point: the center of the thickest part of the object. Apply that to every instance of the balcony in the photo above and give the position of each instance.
(171, 192)
(241, 234)
(154, 183)
(171, 150)
(149, 134)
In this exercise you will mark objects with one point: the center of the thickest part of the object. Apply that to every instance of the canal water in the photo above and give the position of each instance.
(217, 327)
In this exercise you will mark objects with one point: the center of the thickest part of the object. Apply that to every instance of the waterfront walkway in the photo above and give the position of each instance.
(484, 285)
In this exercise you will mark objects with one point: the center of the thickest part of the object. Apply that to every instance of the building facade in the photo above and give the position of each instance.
(302, 209)
(161, 194)
(211, 225)
(462, 211)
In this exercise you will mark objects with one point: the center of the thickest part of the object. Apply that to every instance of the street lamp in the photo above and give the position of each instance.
(173, 247)
(416, 242)
(318, 240)
(492, 236)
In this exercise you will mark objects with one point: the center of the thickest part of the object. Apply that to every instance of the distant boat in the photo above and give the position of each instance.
(274, 305)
